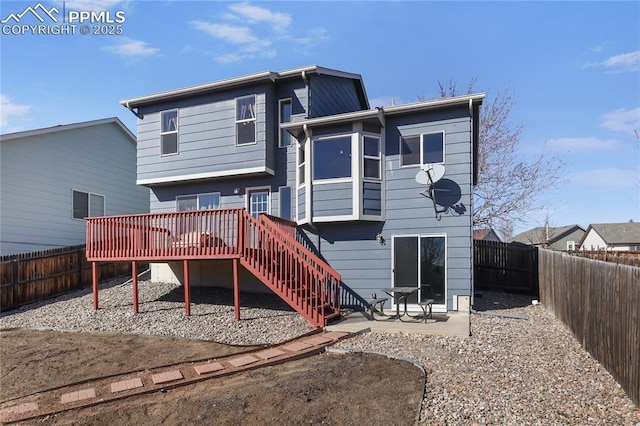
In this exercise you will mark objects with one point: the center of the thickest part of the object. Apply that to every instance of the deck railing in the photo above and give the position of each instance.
(288, 232)
(268, 247)
(282, 264)
(198, 234)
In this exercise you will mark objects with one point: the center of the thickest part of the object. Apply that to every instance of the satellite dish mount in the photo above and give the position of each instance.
(428, 175)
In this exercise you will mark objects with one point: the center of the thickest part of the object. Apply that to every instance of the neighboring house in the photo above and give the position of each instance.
(51, 178)
(563, 238)
(612, 236)
(304, 145)
(486, 234)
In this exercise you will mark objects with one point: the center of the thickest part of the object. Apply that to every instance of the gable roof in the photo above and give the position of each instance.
(616, 233)
(264, 76)
(534, 236)
(481, 234)
(64, 127)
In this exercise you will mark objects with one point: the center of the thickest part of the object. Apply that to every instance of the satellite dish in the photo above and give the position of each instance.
(422, 178)
(430, 174)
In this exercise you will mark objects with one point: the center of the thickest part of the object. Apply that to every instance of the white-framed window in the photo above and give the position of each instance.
(571, 245)
(371, 157)
(190, 202)
(258, 201)
(426, 148)
(246, 120)
(169, 132)
(301, 164)
(86, 204)
(332, 157)
(285, 117)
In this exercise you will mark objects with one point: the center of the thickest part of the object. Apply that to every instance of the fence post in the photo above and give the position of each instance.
(14, 281)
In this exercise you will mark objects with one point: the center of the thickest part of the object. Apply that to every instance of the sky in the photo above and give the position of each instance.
(573, 67)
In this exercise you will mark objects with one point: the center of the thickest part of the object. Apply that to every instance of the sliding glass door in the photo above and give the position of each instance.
(421, 261)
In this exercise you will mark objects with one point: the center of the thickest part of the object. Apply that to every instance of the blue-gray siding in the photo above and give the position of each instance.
(206, 139)
(332, 199)
(351, 248)
(371, 198)
(332, 95)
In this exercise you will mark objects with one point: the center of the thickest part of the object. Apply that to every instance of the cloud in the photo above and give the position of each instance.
(609, 178)
(622, 120)
(253, 32)
(626, 62)
(314, 36)
(229, 33)
(581, 144)
(279, 21)
(9, 110)
(128, 47)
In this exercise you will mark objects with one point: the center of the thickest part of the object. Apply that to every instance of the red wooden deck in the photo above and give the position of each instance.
(269, 247)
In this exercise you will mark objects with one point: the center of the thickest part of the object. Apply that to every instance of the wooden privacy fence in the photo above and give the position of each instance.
(600, 303)
(505, 267)
(30, 277)
(631, 258)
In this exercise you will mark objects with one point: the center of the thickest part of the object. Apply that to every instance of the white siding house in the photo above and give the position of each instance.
(612, 237)
(53, 177)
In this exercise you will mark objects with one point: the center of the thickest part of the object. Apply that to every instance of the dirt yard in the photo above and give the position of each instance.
(332, 389)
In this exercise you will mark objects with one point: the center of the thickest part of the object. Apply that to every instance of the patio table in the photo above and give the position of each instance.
(400, 294)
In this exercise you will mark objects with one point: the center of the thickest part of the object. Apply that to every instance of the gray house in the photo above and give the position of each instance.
(52, 178)
(563, 238)
(382, 195)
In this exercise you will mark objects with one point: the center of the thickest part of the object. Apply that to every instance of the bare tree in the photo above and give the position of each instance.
(509, 188)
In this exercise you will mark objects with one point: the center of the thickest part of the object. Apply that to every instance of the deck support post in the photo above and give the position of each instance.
(94, 283)
(134, 279)
(187, 295)
(236, 289)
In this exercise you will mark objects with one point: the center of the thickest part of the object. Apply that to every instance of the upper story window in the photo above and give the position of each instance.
(372, 157)
(198, 202)
(332, 157)
(246, 120)
(571, 245)
(285, 117)
(427, 148)
(87, 205)
(169, 132)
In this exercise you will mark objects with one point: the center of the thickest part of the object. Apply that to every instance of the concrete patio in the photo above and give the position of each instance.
(442, 324)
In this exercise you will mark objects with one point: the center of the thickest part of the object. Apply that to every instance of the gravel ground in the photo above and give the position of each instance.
(266, 319)
(509, 372)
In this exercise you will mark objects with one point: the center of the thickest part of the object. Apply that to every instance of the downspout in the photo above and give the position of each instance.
(303, 75)
(473, 284)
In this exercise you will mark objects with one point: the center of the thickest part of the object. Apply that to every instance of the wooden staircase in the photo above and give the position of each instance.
(307, 283)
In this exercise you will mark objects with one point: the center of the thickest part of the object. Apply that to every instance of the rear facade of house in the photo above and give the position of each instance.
(305, 146)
